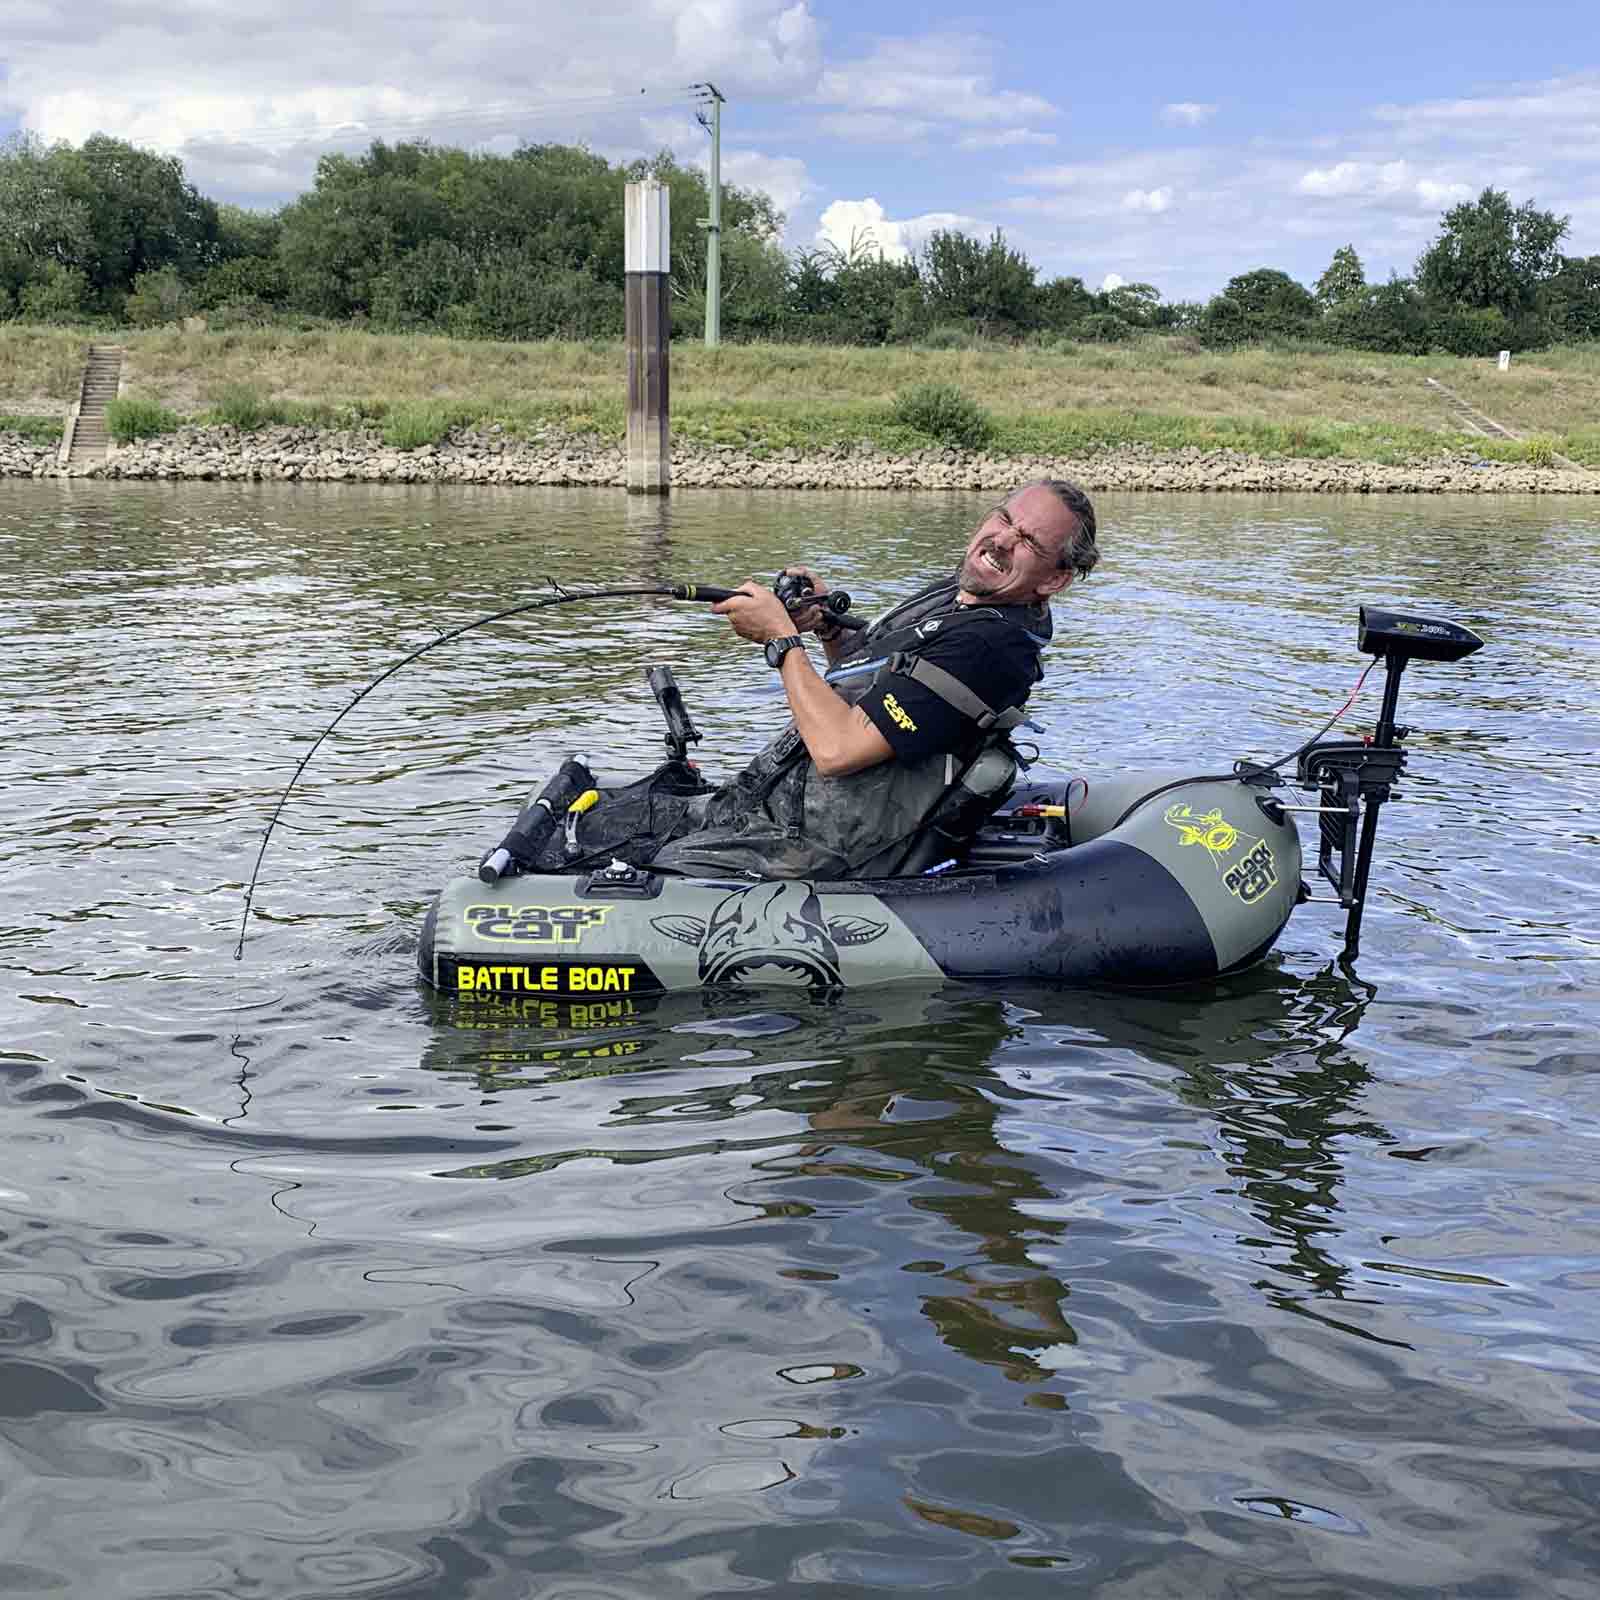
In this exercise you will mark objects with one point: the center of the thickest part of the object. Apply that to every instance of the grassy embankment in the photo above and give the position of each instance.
(1070, 400)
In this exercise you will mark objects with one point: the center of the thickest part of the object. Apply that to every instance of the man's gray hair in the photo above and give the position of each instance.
(1080, 552)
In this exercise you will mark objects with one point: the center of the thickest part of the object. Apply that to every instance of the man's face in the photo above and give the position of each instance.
(1014, 556)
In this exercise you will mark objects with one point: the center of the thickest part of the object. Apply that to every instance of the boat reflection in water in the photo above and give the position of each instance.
(996, 1128)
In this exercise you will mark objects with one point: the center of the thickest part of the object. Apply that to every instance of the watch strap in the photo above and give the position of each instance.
(777, 649)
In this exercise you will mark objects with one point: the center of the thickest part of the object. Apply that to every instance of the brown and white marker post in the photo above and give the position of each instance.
(648, 257)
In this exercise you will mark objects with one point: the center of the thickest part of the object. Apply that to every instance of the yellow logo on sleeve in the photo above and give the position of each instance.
(898, 714)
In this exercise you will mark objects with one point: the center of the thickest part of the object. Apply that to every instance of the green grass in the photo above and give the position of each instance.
(36, 430)
(412, 425)
(1166, 392)
(134, 417)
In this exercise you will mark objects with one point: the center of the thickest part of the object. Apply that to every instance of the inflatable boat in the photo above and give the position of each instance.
(1127, 880)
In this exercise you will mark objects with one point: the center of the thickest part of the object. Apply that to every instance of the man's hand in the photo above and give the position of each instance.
(757, 614)
(812, 617)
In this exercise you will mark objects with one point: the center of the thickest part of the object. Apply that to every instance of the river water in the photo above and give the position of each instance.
(1283, 1288)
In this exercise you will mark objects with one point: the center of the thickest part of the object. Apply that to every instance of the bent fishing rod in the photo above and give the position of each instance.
(797, 594)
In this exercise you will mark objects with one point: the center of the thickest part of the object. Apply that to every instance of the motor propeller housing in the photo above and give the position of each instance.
(1396, 633)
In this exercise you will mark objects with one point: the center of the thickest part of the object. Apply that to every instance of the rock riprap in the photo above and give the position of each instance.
(553, 458)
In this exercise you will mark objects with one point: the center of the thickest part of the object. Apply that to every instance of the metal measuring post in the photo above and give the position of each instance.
(648, 259)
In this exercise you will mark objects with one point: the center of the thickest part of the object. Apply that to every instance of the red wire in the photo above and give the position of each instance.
(1355, 691)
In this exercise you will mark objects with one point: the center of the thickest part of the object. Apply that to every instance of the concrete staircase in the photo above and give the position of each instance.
(87, 442)
(1469, 419)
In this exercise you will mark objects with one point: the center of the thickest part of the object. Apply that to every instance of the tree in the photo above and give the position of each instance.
(1388, 316)
(1489, 256)
(1263, 304)
(1062, 303)
(107, 209)
(43, 220)
(1572, 299)
(247, 235)
(1343, 281)
(991, 285)
(1133, 303)
(855, 295)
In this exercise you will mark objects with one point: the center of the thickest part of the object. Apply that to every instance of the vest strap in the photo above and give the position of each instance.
(953, 691)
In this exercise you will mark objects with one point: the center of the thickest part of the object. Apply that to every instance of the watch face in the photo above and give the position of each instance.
(777, 649)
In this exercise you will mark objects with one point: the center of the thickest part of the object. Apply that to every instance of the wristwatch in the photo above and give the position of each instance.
(777, 649)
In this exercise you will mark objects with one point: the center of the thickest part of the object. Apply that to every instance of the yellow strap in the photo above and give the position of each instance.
(589, 797)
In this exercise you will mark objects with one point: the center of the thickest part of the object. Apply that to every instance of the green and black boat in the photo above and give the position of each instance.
(1125, 879)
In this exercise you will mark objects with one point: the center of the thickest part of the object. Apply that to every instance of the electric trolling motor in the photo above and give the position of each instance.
(1354, 778)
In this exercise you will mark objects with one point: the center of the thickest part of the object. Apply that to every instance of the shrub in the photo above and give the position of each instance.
(135, 417)
(517, 299)
(949, 336)
(1474, 331)
(249, 279)
(242, 405)
(37, 430)
(61, 294)
(160, 296)
(1541, 452)
(232, 315)
(943, 412)
(1102, 327)
(409, 427)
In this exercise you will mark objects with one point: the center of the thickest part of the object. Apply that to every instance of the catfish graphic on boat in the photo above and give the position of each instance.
(771, 932)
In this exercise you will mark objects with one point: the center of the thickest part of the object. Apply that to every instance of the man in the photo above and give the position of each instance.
(855, 782)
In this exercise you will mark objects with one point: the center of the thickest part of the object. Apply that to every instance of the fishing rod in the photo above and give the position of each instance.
(796, 592)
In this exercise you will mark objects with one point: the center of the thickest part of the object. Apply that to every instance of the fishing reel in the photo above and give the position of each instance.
(798, 592)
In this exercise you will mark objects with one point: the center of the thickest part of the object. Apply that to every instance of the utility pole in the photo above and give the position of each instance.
(712, 96)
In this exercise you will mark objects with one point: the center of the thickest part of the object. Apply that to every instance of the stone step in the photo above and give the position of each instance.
(91, 440)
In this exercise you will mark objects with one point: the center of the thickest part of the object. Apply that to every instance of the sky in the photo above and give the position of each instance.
(1165, 143)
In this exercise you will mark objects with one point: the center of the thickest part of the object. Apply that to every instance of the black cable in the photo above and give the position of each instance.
(1244, 771)
(1177, 783)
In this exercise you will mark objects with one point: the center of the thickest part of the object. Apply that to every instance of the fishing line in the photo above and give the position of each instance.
(704, 593)
(680, 591)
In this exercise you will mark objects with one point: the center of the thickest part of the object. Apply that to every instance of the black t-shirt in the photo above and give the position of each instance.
(989, 653)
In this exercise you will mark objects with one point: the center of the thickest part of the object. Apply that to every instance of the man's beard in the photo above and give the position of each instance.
(976, 580)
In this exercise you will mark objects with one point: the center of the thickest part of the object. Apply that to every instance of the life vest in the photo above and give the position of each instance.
(781, 818)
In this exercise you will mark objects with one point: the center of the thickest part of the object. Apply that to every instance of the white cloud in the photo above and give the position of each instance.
(1003, 139)
(785, 178)
(1151, 201)
(1112, 280)
(1570, 103)
(1187, 113)
(945, 76)
(1385, 182)
(852, 226)
(874, 127)
(251, 93)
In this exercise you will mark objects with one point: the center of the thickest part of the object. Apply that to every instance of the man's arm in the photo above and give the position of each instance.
(839, 737)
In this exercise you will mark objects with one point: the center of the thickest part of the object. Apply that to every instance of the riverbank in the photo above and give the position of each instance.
(1062, 400)
(554, 457)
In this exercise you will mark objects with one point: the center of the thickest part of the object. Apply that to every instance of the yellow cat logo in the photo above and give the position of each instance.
(898, 714)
